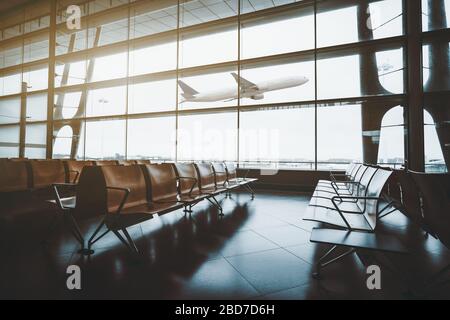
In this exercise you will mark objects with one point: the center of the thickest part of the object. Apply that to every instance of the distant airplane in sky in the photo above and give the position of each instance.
(249, 89)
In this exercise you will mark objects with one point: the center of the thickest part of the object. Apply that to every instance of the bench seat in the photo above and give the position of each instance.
(333, 218)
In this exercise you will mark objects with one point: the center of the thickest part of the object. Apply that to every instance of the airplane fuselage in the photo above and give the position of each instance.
(251, 93)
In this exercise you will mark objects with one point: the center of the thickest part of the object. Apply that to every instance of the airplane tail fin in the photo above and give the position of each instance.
(187, 90)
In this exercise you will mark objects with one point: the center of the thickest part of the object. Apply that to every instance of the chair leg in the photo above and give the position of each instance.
(216, 203)
(76, 232)
(250, 190)
(91, 240)
(129, 243)
(321, 264)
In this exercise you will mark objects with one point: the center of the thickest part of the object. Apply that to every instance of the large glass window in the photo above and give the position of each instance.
(391, 150)
(279, 137)
(9, 141)
(106, 101)
(199, 11)
(105, 139)
(9, 110)
(152, 138)
(339, 136)
(153, 96)
(434, 158)
(435, 14)
(208, 137)
(268, 37)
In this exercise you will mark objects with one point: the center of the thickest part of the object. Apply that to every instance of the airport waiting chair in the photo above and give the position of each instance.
(324, 199)
(188, 185)
(358, 225)
(348, 182)
(220, 173)
(102, 163)
(74, 168)
(237, 182)
(120, 194)
(435, 207)
(207, 184)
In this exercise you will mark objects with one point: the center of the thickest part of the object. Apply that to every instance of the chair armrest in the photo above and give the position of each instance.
(57, 195)
(333, 200)
(77, 174)
(124, 199)
(193, 185)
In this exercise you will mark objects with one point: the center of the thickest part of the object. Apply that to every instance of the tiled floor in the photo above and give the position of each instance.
(259, 250)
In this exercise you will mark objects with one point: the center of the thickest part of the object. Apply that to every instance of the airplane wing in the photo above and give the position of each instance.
(244, 83)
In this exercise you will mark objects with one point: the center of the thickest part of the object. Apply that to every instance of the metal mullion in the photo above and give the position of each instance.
(315, 89)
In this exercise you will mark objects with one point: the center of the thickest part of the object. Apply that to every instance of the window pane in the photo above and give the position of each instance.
(391, 150)
(277, 82)
(37, 107)
(436, 73)
(35, 49)
(434, 157)
(10, 56)
(107, 101)
(211, 90)
(152, 96)
(110, 67)
(365, 74)
(435, 14)
(9, 110)
(63, 143)
(289, 32)
(152, 138)
(36, 79)
(339, 136)
(217, 45)
(153, 58)
(208, 137)
(336, 27)
(10, 84)
(200, 11)
(105, 139)
(153, 18)
(280, 137)
(67, 105)
(70, 74)
(9, 141)
(36, 141)
(113, 32)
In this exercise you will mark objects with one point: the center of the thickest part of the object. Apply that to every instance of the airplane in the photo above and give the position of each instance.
(248, 89)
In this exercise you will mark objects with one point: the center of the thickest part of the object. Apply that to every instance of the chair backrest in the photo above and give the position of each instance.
(14, 176)
(47, 172)
(231, 171)
(435, 203)
(363, 177)
(407, 197)
(220, 172)
(74, 168)
(130, 177)
(355, 171)
(91, 194)
(206, 174)
(187, 170)
(127, 162)
(374, 189)
(163, 181)
(102, 163)
(143, 162)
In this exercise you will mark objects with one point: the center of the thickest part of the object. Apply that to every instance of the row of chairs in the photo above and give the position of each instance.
(353, 202)
(356, 200)
(129, 195)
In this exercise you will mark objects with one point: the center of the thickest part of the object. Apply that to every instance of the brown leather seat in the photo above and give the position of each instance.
(74, 168)
(14, 176)
(233, 178)
(435, 203)
(163, 183)
(220, 172)
(102, 163)
(23, 216)
(47, 172)
(207, 179)
(143, 162)
(188, 181)
(120, 193)
(127, 162)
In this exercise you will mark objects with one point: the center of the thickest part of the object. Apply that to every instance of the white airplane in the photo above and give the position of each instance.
(248, 89)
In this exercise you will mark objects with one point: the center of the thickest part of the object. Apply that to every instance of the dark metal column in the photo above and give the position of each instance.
(23, 119)
(416, 149)
(51, 79)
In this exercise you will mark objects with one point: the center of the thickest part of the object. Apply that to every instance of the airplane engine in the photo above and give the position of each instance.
(258, 97)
